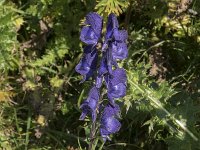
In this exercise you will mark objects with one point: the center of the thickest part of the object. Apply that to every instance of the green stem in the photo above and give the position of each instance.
(16, 121)
(93, 141)
(92, 136)
(27, 129)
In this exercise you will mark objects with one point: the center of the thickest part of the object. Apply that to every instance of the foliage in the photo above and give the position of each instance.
(9, 54)
(40, 92)
(111, 6)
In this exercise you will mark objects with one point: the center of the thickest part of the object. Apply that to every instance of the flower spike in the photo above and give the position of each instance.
(114, 48)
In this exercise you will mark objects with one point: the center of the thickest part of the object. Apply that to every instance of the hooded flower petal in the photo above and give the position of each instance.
(88, 35)
(109, 123)
(88, 63)
(95, 21)
(92, 31)
(117, 91)
(120, 35)
(115, 40)
(89, 106)
(103, 69)
(111, 26)
(116, 84)
(103, 66)
(111, 110)
(119, 51)
(119, 46)
(119, 76)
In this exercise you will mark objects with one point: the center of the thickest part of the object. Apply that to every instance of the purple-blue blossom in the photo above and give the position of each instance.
(90, 105)
(91, 32)
(107, 72)
(88, 63)
(116, 84)
(109, 121)
(115, 39)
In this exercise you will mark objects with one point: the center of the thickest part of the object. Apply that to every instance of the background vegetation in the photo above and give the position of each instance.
(40, 92)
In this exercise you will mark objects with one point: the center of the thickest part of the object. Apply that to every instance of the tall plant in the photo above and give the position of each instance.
(114, 48)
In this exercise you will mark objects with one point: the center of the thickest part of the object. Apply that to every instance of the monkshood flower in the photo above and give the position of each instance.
(90, 35)
(91, 32)
(116, 84)
(87, 65)
(114, 48)
(112, 25)
(89, 106)
(115, 40)
(109, 122)
(119, 49)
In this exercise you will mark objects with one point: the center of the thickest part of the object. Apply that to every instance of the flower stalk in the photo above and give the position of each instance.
(92, 136)
(114, 48)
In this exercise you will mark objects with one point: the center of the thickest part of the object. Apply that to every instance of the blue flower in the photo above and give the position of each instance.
(116, 84)
(112, 25)
(88, 63)
(114, 48)
(91, 32)
(115, 39)
(105, 67)
(119, 46)
(109, 123)
(89, 106)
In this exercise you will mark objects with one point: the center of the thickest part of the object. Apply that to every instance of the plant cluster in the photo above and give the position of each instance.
(149, 101)
(113, 48)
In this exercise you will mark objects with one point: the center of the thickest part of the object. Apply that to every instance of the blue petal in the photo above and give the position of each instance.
(103, 66)
(89, 106)
(109, 123)
(111, 110)
(111, 25)
(120, 35)
(117, 91)
(88, 35)
(116, 84)
(95, 21)
(109, 126)
(104, 134)
(88, 63)
(119, 50)
(119, 76)
(106, 64)
(92, 31)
